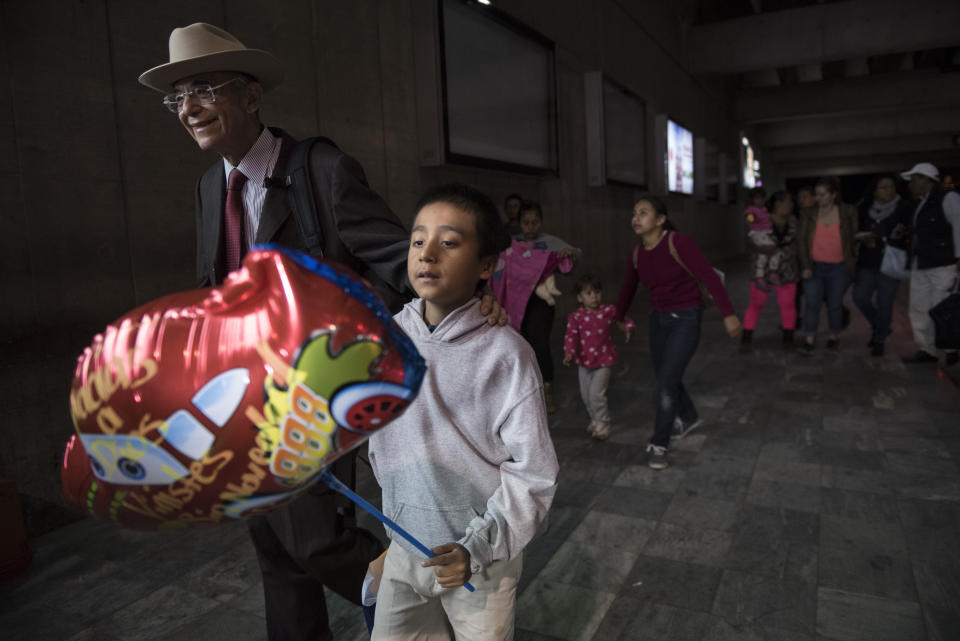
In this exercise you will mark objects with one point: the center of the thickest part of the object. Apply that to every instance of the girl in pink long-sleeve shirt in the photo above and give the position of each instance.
(589, 343)
(672, 267)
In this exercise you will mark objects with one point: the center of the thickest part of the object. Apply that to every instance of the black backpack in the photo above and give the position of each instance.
(304, 205)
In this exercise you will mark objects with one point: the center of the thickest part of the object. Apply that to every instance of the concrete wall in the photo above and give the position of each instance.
(97, 179)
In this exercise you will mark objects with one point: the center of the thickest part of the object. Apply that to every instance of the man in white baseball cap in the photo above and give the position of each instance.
(934, 256)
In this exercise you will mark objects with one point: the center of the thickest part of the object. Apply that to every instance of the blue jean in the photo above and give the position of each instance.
(870, 281)
(674, 337)
(828, 284)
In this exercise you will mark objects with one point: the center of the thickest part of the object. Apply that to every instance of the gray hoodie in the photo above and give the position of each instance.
(471, 460)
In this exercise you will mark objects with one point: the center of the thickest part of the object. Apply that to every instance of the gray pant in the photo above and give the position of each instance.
(927, 288)
(593, 391)
(411, 605)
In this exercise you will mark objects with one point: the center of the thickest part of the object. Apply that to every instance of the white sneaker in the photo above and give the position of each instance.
(601, 431)
(657, 457)
(681, 429)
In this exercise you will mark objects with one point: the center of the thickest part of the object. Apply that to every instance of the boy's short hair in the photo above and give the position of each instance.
(587, 280)
(492, 236)
(531, 205)
(757, 191)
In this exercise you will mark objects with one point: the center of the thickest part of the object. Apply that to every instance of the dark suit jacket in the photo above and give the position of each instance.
(848, 229)
(359, 229)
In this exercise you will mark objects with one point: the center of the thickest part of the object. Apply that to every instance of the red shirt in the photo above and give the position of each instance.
(671, 287)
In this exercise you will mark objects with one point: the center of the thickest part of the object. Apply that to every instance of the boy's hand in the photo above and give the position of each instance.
(567, 359)
(451, 565)
(489, 307)
(627, 331)
(566, 252)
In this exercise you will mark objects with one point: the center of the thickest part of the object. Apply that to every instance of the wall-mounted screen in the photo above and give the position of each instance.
(750, 164)
(679, 158)
(625, 135)
(499, 90)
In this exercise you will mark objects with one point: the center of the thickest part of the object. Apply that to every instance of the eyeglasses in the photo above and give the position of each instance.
(206, 94)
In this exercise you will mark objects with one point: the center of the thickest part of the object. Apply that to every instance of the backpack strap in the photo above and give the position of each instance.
(676, 257)
(304, 204)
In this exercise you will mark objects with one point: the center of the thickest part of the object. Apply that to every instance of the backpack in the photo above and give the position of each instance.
(304, 206)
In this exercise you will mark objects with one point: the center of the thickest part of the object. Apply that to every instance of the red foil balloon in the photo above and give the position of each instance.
(220, 403)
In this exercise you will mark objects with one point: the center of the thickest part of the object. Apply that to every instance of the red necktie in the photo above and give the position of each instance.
(233, 221)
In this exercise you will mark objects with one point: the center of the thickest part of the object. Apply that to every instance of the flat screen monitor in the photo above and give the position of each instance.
(679, 158)
(499, 90)
(750, 164)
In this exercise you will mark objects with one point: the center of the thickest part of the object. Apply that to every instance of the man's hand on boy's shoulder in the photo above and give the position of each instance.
(489, 307)
(451, 565)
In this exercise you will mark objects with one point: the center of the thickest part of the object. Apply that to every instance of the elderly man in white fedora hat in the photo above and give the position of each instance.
(934, 256)
(215, 85)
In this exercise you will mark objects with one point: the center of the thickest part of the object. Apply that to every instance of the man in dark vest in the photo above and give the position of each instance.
(934, 256)
(215, 85)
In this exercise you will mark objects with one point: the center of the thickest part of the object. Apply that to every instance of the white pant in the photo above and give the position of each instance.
(593, 391)
(927, 288)
(411, 605)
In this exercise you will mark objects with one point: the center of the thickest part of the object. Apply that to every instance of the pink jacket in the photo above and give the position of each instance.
(589, 339)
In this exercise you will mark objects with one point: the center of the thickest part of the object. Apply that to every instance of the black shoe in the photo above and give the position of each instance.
(952, 359)
(788, 343)
(876, 349)
(918, 358)
(833, 344)
(746, 340)
(806, 348)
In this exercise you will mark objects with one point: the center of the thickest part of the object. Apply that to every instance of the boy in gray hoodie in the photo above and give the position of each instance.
(469, 468)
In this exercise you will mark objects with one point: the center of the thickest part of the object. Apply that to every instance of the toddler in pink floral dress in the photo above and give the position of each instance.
(588, 343)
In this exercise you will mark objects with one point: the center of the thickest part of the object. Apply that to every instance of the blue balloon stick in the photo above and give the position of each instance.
(334, 483)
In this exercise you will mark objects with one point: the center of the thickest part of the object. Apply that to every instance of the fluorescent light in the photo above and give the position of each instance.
(484, 1)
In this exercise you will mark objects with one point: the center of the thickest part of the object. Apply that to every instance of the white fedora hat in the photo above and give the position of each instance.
(203, 48)
(924, 169)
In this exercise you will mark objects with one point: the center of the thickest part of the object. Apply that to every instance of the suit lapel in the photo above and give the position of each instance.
(276, 205)
(212, 194)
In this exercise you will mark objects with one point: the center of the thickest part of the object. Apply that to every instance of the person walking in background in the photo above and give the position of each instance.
(784, 233)
(589, 343)
(766, 260)
(673, 269)
(884, 219)
(514, 288)
(511, 212)
(805, 199)
(934, 256)
(827, 252)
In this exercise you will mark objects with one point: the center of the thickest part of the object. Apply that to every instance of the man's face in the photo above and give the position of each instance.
(222, 126)
(920, 185)
(512, 208)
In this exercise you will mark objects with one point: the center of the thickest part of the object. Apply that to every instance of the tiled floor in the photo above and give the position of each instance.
(819, 501)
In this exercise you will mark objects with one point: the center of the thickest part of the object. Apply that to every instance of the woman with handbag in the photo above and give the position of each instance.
(885, 219)
(828, 258)
(677, 276)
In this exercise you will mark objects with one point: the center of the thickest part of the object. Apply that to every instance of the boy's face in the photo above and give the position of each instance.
(443, 261)
(590, 297)
(530, 224)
